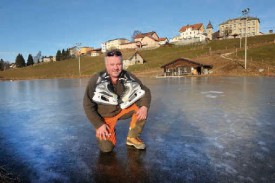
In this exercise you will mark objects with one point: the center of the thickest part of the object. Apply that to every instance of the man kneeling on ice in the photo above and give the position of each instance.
(115, 94)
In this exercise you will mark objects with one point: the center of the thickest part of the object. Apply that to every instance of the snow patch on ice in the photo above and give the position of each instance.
(228, 154)
(229, 169)
(212, 94)
(219, 146)
(262, 143)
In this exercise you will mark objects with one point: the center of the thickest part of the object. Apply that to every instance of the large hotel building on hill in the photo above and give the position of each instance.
(237, 27)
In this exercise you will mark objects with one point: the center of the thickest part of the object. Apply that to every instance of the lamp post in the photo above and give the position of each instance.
(78, 51)
(245, 14)
(240, 41)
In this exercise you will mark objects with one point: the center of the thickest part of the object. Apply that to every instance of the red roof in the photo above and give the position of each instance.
(162, 39)
(194, 27)
(142, 35)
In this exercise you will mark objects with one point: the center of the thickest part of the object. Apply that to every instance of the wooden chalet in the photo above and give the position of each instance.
(183, 66)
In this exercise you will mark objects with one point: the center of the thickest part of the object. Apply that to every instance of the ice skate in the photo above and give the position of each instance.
(103, 94)
(132, 93)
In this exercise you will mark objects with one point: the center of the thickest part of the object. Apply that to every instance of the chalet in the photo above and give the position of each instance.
(132, 59)
(150, 40)
(183, 66)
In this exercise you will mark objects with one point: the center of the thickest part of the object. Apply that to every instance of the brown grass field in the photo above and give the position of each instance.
(260, 57)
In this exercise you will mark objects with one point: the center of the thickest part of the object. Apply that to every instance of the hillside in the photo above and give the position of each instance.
(226, 56)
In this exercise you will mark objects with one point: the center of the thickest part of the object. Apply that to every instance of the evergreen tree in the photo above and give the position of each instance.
(63, 55)
(68, 54)
(20, 61)
(58, 55)
(1, 64)
(30, 60)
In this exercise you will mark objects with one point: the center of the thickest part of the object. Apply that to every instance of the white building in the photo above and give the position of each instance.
(112, 44)
(190, 34)
(239, 26)
(192, 31)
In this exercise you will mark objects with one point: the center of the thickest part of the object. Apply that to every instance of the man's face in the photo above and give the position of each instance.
(113, 66)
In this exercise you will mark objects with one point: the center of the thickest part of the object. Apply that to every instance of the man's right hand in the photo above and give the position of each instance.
(103, 132)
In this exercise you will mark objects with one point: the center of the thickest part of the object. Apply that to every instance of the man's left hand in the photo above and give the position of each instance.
(142, 113)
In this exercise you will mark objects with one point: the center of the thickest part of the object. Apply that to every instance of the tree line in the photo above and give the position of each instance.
(60, 55)
(21, 62)
(63, 55)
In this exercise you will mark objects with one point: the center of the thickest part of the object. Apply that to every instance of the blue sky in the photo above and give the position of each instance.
(30, 26)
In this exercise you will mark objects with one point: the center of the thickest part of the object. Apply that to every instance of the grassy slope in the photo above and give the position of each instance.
(261, 49)
(264, 53)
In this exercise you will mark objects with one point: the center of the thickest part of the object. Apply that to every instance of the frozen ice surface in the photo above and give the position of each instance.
(205, 129)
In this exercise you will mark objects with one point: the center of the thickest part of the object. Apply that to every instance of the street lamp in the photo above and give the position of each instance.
(245, 14)
(78, 51)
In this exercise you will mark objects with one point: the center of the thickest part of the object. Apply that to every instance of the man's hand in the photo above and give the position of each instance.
(103, 132)
(142, 113)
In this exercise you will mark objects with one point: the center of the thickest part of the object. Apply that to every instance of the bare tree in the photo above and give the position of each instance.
(135, 33)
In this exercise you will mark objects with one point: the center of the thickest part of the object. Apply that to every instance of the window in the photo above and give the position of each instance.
(184, 69)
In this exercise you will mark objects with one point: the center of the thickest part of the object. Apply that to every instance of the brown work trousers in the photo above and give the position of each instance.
(134, 130)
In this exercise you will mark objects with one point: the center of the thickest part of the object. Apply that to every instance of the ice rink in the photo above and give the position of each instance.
(199, 129)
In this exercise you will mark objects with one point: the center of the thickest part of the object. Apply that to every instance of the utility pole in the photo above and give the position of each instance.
(245, 14)
(240, 41)
(78, 51)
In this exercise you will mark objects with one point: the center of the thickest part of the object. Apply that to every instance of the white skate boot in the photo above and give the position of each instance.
(103, 95)
(132, 93)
